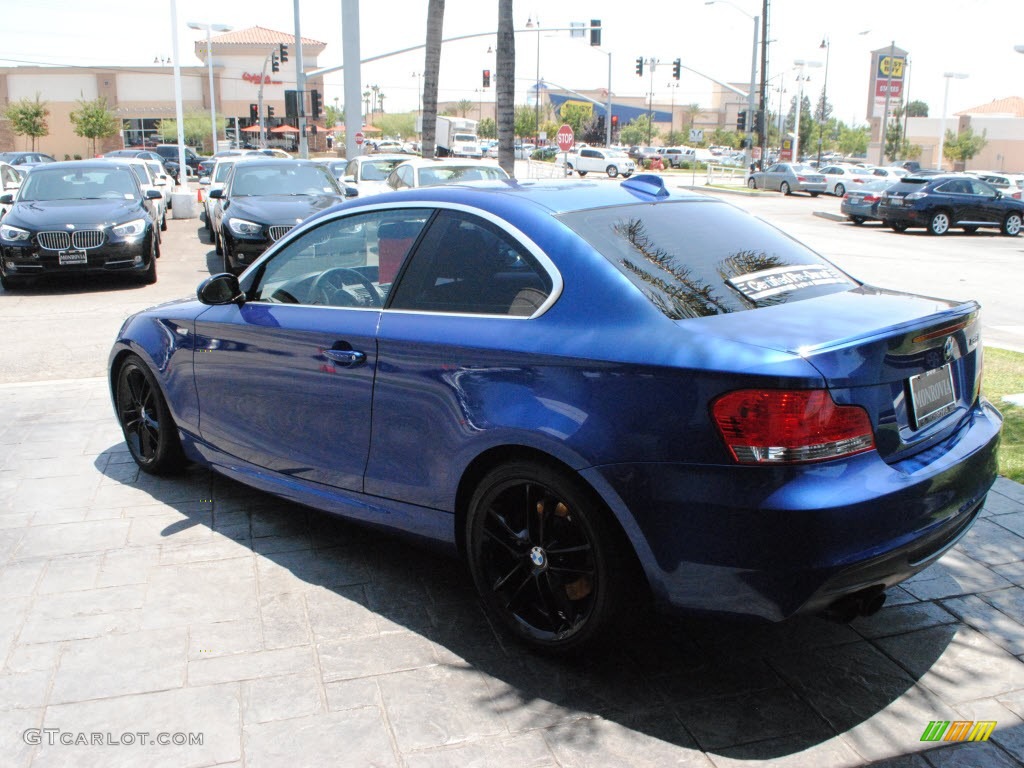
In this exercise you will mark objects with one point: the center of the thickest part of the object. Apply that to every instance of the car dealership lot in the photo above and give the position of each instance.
(196, 605)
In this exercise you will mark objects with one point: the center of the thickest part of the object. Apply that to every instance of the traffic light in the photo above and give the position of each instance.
(741, 121)
(254, 112)
(487, 78)
(595, 32)
(291, 103)
(759, 122)
(270, 111)
(639, 66)
(314, 103)
(283, 52)
(275, 66)
(615, 121)
(677, 66)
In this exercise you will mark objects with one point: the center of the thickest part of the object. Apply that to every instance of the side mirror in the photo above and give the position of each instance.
(351, 191)
(216, 194)
(220, 289)
(153, 194)
(7, 199)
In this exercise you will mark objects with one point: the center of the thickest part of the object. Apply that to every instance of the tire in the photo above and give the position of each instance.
(814, 194)
(751, 183)
(163, 221)
(217, 247)
(612, 171)
(627, 174)
(858, 220)
(149, 431)
(10, 283)
(839, 190)
(148, 277)
(939, 223)
(898, 226)
(1012, 224)
(582, 173)
(226, 259)
(784, 188)
(516, 510)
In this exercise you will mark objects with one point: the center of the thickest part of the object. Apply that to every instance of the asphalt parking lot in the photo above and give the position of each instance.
(247, 631)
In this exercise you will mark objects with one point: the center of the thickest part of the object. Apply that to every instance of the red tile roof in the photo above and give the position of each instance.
(1011, 105)
(260, 36)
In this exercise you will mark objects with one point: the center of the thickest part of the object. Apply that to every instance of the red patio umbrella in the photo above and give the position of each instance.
(284, 129)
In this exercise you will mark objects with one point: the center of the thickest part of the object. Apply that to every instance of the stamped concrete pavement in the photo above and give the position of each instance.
(192, 622)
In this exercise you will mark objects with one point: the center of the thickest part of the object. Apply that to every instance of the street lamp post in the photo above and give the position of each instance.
(209, 66)
(530, 24)
(419, 99)
(801, 79)
(753, 78)
(945, 103)
(827, 45)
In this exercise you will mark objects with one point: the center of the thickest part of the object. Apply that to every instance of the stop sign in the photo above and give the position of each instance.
(565, 138)
(359, 137)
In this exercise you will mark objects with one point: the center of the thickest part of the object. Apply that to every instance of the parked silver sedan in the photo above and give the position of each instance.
(788, 178)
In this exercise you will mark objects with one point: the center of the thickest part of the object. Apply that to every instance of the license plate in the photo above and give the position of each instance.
(932, 395)
(895, 201)
(72, 257)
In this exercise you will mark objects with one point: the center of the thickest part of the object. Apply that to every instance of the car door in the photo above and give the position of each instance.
(956, 195)
(773, 177)
(455, 319)
(987, 205)
(285, 381)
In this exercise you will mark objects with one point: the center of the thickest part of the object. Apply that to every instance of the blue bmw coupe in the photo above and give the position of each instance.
(584, 389)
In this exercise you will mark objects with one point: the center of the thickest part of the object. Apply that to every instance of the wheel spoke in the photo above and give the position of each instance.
(569, 550)
(565, 569)
(502, 543)
(501, 582)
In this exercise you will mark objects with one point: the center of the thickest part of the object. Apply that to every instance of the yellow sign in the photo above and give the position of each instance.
(891, 66)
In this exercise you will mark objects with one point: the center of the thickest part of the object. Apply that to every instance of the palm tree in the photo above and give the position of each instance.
(693, 111)
(504, 87)
(431, 74)
(463, 106)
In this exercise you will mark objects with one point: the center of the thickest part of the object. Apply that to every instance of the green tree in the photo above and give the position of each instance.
(403, 125)
(962, 147)
(677, 138)
(524, 120)
(504, 89)
(463, 106)
(723, 137)
(487, 129)
(577, 116)
(917, 109)
(636, 131)
(431, 75)
(333, 116)
(94, 120)
(853, 142)
(28, 118)
(196, 129)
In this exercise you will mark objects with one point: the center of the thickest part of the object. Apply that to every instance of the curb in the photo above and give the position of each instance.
(830, 216)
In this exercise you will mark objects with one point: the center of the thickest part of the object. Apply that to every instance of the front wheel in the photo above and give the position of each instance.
(582, 173)
(784, 188)
(839, 190)
(858, 220)
(149, 430)
(815, 194)
(898, 226)
(612, 171)
(544, 556)
(1012, 225)
(751, 183)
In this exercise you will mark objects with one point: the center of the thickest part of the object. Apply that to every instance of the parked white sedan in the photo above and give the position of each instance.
(423, 172)
(840, 179)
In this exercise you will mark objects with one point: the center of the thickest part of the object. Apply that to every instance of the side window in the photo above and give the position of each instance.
(979, 188)
(348, 261)
(465, 265)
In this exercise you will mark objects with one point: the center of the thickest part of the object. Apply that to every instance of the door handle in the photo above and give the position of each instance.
(347, 357)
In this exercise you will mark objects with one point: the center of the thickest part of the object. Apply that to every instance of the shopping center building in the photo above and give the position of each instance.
(143, 96)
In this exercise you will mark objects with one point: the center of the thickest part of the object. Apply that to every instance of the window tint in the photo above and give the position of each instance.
(980, 188)
(466, 265)
(283, 179)
(693, 259)
(349, 261)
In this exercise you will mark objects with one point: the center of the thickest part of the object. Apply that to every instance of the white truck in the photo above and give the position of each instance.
(456, 137)
(614, 162)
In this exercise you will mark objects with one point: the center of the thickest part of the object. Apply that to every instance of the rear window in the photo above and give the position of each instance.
(696, 258)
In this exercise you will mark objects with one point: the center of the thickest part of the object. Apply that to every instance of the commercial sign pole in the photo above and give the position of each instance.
(300, 85)
(885, 112)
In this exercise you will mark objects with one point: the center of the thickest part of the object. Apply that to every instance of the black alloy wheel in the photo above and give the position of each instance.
(146, 422)
(544, 556)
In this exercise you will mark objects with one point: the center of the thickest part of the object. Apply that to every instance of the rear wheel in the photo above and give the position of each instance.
(544, 555)
(612, 171)
(146, 422)
(898, 226)
(784, 188)
(582, 173)
(858, 220)
(939, 223)
(815, 194)
(1012, 225)
(839, 190)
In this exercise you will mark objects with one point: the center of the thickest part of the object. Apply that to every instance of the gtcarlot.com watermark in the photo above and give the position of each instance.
(54, 736)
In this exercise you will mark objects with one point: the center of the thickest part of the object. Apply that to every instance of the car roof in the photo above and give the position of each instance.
(96, 163)
(556, 196)
(447, 162)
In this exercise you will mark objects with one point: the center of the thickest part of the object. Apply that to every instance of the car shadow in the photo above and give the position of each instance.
(66, 285)
(736, 690)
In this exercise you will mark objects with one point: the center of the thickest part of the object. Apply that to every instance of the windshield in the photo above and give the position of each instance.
(693, 259)
(465, 137)
(378, 170)
(221, 171)
(284, 179)
(79, 184)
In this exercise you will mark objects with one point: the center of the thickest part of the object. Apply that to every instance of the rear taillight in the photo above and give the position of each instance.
(775, 426)
(870, 199)
(916, 196)
(801, 179)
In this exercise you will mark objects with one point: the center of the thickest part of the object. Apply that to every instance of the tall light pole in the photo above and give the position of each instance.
(419, 99)
(945, 103)
(753, 78)
(209, 65)
(530, 24)
(801, 79)
(827, 45)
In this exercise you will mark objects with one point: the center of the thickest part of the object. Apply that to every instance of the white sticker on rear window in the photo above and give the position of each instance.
(769, 282)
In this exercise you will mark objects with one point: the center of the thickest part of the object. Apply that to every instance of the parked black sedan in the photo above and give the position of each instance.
(264, 198)
(78, 216)
(939, 203)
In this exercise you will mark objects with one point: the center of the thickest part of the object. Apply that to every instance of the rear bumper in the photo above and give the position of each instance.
(771, 542)
(900, 215)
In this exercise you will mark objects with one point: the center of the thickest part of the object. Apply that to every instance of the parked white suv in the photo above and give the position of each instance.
(614, 162)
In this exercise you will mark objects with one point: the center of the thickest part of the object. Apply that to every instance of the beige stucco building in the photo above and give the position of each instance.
(142, 96)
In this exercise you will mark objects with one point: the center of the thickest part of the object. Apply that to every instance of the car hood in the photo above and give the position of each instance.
(279, 209)
(91, 214)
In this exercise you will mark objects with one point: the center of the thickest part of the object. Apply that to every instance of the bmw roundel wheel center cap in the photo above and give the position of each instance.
(539, 558)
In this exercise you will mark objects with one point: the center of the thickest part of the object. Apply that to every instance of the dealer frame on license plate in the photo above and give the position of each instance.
(72, 257)
(932, 395)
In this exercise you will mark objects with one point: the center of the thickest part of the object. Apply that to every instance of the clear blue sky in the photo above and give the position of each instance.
(976, 38)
